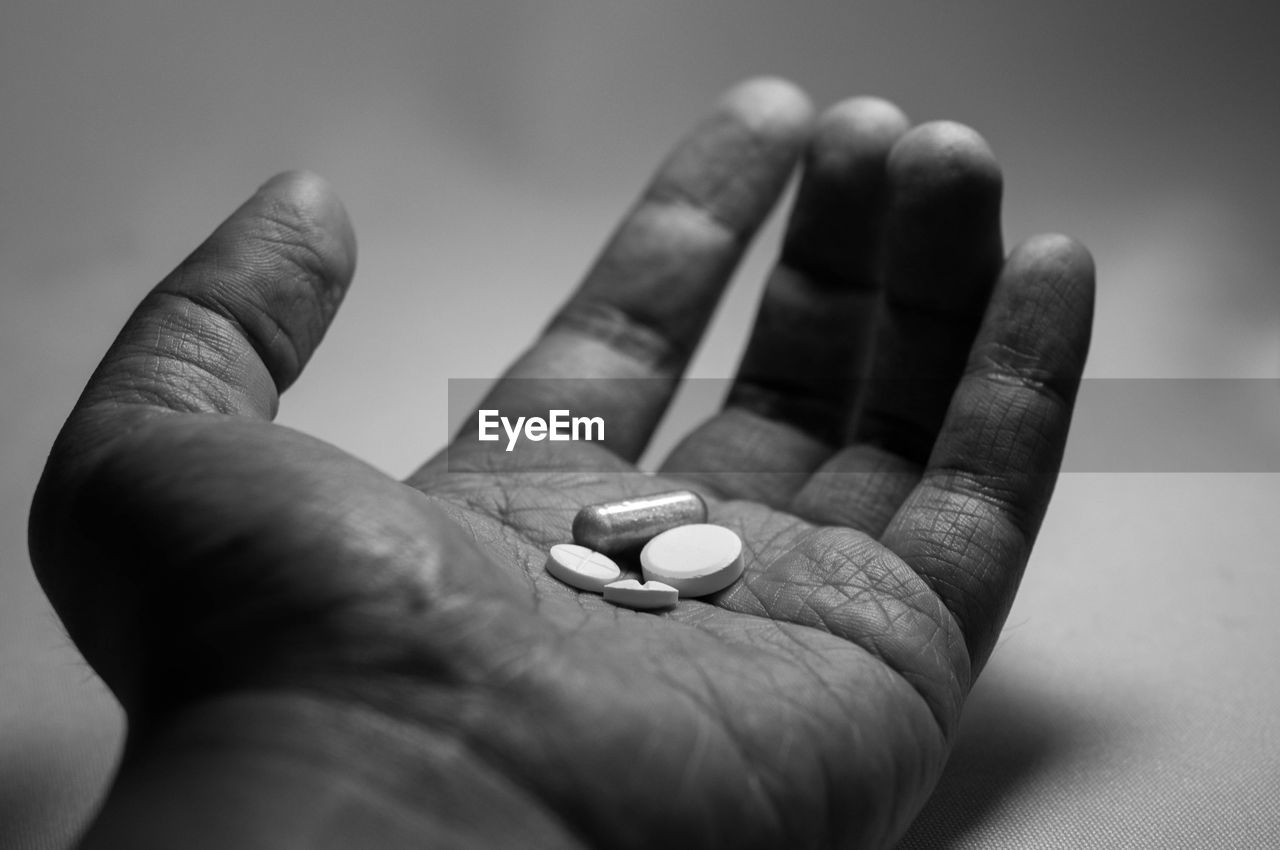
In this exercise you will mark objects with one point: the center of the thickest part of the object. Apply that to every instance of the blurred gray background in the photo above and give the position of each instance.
(484, 151)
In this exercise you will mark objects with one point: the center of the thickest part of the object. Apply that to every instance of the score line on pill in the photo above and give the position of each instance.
(580, 567)
(632, 594)
(696, 560)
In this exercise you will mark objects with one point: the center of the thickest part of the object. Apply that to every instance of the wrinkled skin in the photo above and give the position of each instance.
(313, 654)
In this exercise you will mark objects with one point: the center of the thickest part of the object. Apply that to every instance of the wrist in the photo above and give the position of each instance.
(289, 771)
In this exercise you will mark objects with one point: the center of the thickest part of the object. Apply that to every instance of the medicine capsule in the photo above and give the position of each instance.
(615, 527)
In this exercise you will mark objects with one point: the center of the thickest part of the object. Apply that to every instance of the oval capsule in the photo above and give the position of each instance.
(614, 527)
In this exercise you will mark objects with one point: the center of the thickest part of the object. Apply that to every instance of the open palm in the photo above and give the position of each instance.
(386, 662)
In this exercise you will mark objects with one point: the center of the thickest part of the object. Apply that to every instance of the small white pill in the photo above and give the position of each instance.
(632, 594)
(695, 559)
(577, 566)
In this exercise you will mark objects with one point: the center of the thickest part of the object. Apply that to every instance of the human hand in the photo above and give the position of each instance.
(313, 654)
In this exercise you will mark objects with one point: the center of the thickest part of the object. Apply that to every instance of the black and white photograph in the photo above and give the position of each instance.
(573, 424)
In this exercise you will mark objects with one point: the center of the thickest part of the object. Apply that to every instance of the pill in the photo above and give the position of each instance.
(615, 527)
(578, 566)
(694, 559)
(632, 594)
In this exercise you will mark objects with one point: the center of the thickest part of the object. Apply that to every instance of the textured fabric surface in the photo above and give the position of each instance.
(1132, 699)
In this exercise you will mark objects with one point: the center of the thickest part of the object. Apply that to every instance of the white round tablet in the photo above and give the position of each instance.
(696, 559)
(578, 566)
(632, 594)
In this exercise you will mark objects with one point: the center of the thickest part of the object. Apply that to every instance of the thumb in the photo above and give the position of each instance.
(224, 333)
(235, 323)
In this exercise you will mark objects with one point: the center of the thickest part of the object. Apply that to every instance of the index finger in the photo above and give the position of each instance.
(616, 349)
